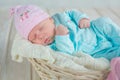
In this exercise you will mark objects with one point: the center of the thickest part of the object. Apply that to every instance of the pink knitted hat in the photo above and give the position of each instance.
(27, 17)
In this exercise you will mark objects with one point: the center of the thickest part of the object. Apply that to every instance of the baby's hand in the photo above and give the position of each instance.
(84, 23)
(61, 30)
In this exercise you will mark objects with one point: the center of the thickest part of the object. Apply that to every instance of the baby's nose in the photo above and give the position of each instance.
(39, 36)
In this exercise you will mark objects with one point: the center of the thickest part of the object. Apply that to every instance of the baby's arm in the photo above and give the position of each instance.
(62, 40)
(82, 20)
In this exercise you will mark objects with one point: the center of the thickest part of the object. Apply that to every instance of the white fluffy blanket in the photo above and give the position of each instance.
(23, 48)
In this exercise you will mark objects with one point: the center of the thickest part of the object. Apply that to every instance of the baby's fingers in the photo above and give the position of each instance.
(84, 25)
(81, 25)
(88, 24)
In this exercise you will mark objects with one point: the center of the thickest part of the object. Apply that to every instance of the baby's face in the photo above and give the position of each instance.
(43, 33)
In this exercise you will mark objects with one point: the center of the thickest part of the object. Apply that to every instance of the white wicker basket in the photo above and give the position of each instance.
(52, 72)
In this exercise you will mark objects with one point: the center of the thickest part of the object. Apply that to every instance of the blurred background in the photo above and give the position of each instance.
(50, 4)
(10, 70)
(62, 3)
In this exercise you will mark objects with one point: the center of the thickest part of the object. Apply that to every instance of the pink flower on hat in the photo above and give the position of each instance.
(24, 16)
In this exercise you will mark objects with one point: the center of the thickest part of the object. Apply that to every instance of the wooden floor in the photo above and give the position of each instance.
(10, 70)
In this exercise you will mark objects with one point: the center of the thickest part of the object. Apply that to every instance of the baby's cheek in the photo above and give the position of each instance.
(49, 34)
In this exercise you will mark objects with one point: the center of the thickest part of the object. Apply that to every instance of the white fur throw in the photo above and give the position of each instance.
(23, 48)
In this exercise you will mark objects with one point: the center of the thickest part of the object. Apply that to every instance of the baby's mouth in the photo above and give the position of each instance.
(47, 40)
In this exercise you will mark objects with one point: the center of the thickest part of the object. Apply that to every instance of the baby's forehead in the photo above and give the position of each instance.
(36, 28)
(39, 25)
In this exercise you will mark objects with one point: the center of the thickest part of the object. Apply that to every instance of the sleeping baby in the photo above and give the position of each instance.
(69, 32)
